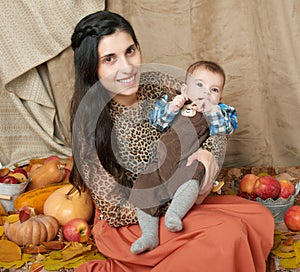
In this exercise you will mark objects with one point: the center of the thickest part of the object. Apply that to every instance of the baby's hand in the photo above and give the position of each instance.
(177, 103)
(204, 105)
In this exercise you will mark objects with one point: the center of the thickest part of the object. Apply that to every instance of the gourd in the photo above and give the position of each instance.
(51, 172)
(36, 198)
(35, 230)
(64, 204)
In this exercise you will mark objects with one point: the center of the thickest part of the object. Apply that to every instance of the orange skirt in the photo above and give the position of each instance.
(224, 233)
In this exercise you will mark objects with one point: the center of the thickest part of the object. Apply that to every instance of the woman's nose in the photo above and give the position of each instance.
(125, 66)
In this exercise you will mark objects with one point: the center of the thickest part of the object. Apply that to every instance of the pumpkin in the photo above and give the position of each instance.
(67, 203)
(35, 230)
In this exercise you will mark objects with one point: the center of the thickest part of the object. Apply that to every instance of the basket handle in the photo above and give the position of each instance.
(297, 189)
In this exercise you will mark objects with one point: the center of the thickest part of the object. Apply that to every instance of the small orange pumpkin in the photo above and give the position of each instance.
(65, 206)
(35, 230)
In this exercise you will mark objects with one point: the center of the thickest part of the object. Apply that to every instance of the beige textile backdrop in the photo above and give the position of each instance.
(36, 76)
(257, 42)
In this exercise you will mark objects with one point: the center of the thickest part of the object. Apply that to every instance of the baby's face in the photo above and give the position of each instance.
(204, 84)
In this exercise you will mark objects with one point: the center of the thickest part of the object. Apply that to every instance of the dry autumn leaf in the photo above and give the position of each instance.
(289, 241)
(9, 251)
(36, 267)
(2, 210)
(4, 171)
(54, 245)
(73, 250)
(26, 258)
(12, 218)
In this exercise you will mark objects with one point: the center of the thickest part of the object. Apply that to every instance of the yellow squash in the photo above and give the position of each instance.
(36, 198)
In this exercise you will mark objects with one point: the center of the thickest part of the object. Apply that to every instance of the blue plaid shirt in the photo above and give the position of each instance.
(223, 121)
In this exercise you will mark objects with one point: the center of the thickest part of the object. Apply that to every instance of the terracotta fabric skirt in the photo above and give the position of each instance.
(224, 233)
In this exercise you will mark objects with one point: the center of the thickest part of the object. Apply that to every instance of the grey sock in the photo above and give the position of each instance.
(183, 200)
(149, 239)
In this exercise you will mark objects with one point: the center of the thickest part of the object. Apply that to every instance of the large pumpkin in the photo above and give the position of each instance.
(35, 230)
(65, 206)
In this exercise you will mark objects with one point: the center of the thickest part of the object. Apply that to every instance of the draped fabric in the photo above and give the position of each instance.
(256, 42)
(36, 76)
(216, 237)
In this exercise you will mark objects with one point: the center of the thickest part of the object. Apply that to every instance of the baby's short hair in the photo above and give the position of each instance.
(208, 65)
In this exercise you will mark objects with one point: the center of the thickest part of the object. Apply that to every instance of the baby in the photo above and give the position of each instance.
(187, 121)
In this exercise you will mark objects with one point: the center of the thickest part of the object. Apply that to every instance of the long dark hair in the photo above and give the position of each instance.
(85, 40)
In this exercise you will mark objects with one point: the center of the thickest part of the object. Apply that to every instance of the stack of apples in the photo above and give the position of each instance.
(252, 186)
(16, 176)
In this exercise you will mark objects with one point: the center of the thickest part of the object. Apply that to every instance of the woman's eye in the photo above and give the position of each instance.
(109, 59)
(130, 50)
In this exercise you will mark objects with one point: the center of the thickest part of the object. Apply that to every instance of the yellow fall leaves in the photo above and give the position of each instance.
(287, 249)
(71, 256)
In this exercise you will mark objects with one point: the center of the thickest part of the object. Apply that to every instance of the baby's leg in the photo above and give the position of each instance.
(183, 200)
(149, 239)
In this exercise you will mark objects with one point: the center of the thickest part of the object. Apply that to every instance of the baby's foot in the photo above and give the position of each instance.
(173, 222)
(143, 244)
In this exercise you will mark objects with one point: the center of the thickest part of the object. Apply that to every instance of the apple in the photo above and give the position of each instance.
(76, 230)
(267, 187)
(292, 218)
(287, 188)
(19, 176)
(20, 170)
(9, 180)
(247, 183)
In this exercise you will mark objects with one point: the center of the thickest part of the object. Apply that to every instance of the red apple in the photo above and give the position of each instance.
(76, 230)
(9, 180)
(292, 218)
(267, 187)
(247, 183)
(287, 188)
(20, 170)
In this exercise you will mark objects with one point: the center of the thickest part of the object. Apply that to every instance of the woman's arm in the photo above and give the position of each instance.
(110, 197)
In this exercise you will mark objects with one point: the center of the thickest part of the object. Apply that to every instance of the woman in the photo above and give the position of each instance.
(112, 143)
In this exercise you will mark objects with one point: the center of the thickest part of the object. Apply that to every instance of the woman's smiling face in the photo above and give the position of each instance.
(118, 68)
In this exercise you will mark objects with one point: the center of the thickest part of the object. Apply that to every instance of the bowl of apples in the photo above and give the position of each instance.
(13, 182)
(278, 195)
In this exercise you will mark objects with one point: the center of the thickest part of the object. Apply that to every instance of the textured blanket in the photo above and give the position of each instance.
(36, 76)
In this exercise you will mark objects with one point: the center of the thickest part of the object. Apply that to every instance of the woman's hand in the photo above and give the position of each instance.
(211, 169)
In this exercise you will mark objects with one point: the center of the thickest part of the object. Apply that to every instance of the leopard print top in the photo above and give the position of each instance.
(136, 141)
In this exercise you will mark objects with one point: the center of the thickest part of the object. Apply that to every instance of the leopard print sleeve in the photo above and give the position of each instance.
(216, 144)
(106, 193)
